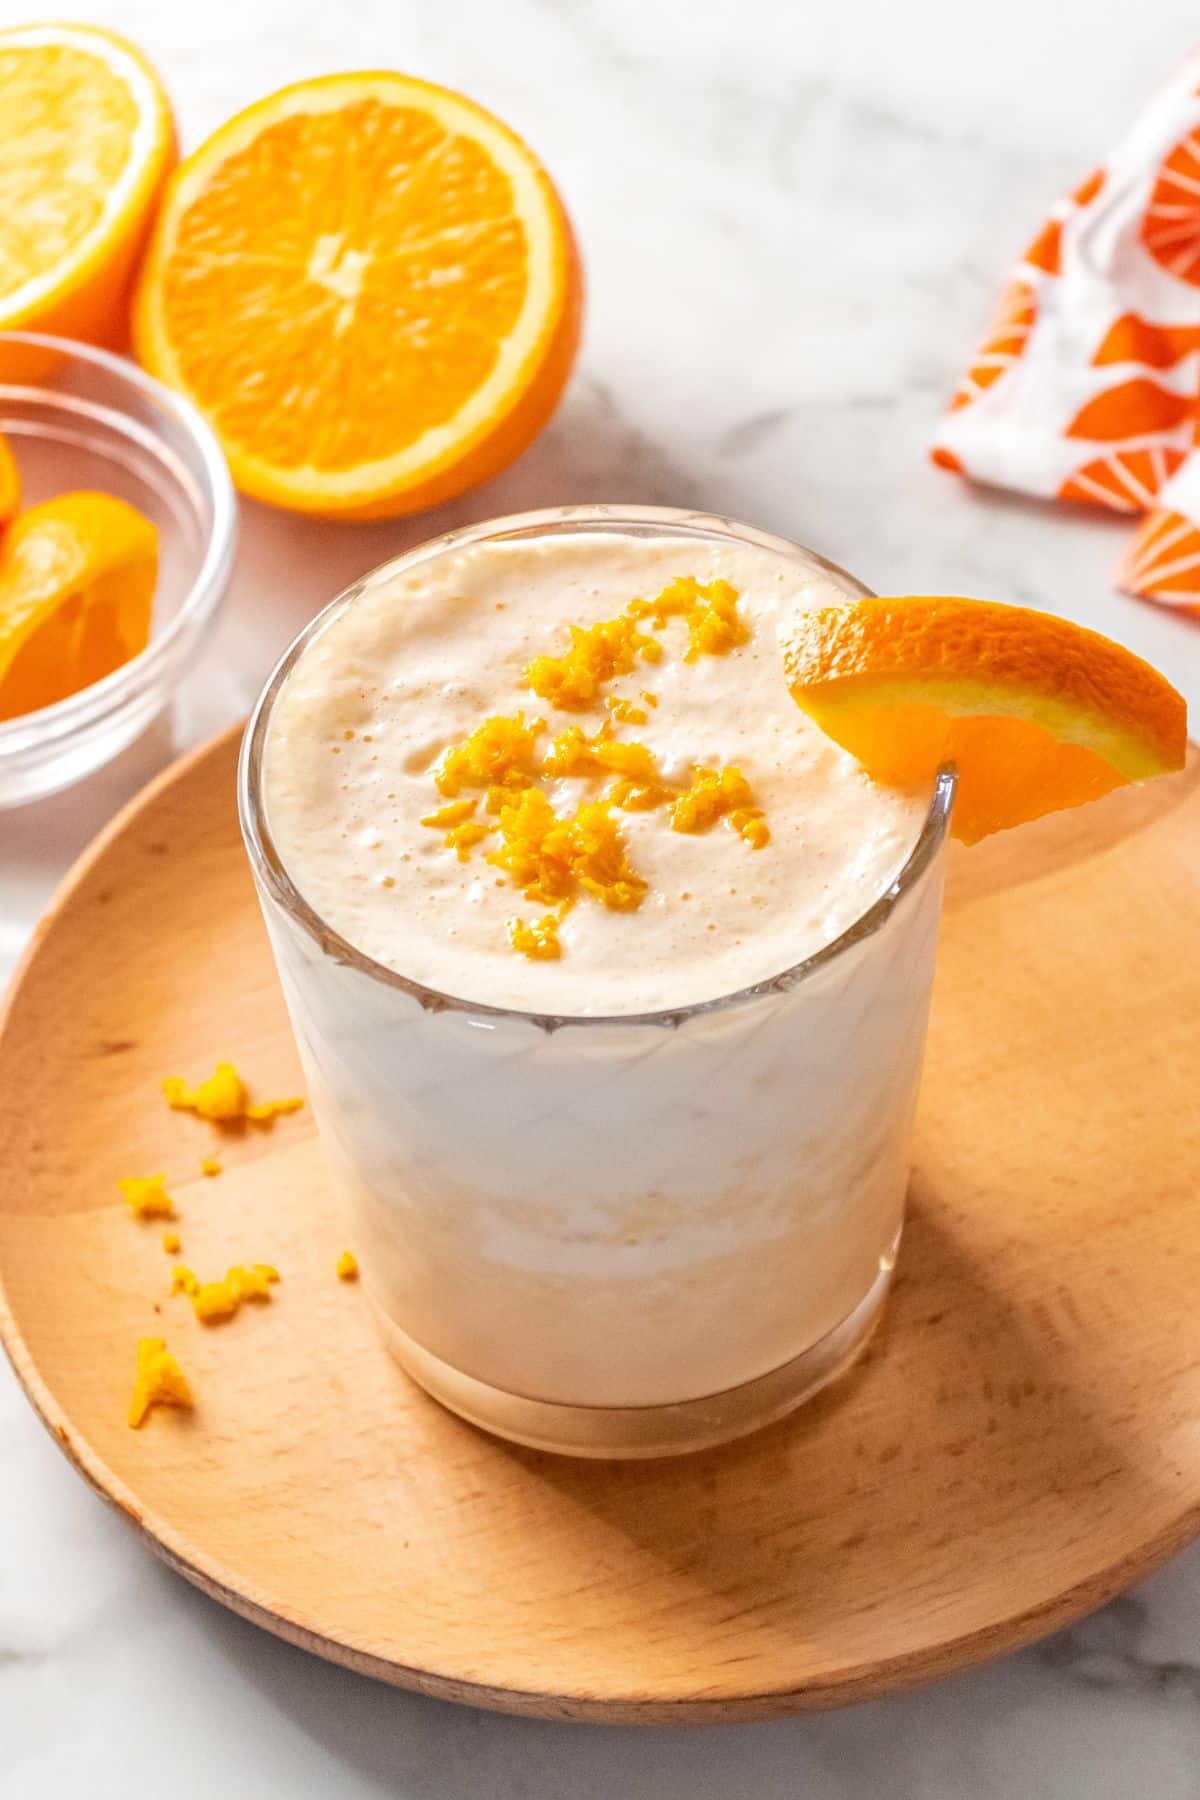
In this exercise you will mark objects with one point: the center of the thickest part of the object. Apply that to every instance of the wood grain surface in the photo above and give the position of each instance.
(1022, 1439)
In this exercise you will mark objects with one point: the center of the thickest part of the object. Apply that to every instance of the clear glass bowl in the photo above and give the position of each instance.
(77, 417)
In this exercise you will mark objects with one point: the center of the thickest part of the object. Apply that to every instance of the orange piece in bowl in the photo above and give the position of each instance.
(1035, 713)
(77, 578)
(10, 483)
(370, 288)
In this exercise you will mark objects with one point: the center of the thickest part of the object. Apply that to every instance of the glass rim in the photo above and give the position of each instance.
(271, 872)
(77, 712)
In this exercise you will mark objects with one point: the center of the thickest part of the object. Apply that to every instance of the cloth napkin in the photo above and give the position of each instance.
(1087, 384)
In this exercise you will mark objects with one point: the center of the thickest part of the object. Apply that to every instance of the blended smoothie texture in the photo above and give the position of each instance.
(614, 1212)
(407, 671)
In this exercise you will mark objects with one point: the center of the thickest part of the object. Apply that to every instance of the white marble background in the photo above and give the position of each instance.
(794, 217)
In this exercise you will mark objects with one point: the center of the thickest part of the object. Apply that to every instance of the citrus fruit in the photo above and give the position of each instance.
(10, 483)
(1035, 713)
(369, 286)
(86, 141)
(77, 581)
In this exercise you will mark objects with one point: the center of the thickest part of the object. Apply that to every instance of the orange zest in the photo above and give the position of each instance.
(549, 858)
(86, 142)
(146, 1196)
(498, 753)
(1035, 713)
(639, 786)
(224, 1099)
(216, 1301)
(77, 578)
(710, 608)
(596, 653)
(721, 794)
(555, 857)
(539, 941)
(160, 1382)
(369, 286)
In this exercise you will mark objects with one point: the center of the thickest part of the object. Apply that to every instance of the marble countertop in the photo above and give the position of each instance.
(794, 220)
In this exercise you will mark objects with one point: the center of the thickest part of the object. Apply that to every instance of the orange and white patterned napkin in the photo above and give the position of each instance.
(1087, 385)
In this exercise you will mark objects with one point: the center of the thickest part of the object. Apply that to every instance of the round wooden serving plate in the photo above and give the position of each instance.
(1022, 1440)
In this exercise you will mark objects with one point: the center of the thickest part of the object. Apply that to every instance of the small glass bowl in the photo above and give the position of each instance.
(77, 417)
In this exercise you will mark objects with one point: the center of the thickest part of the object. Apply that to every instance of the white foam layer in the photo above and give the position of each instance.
(423, 655)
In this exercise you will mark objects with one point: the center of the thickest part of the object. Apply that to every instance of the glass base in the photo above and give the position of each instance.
(631, 1432)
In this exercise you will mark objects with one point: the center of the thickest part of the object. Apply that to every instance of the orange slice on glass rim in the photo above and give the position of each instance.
(1035, 713)
(86, 140)
(77, 579)
(370, 288)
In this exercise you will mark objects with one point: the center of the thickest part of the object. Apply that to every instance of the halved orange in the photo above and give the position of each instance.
(10, 483)
(86, 141)
(1035, 713)
(77, 581)
(369, 286)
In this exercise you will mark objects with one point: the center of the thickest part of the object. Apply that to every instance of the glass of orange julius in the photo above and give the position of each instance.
(609, 964)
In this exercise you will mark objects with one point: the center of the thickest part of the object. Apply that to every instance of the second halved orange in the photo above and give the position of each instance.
(370, 287)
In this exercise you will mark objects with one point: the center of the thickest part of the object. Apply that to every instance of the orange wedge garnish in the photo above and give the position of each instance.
(369, 286)
(76, 584)
(85, 143)
(1035, 713)
(10, 483)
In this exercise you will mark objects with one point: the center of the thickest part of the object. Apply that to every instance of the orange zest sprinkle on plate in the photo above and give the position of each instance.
(160, 1382)
(146, 1197)
(216, 1301)
(223, 1099)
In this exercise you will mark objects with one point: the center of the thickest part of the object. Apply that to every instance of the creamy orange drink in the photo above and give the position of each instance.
(610, 966)
(609, 970)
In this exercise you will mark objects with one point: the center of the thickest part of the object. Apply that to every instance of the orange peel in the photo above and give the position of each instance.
(1035, 713)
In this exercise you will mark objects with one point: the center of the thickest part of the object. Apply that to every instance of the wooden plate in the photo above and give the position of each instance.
(1022, 1440)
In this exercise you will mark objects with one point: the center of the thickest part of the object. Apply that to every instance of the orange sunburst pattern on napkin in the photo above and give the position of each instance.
(1086, 385)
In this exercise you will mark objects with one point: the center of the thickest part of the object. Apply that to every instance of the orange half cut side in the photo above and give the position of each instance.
(1035, 713)
(369, 286)
(86, 140)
